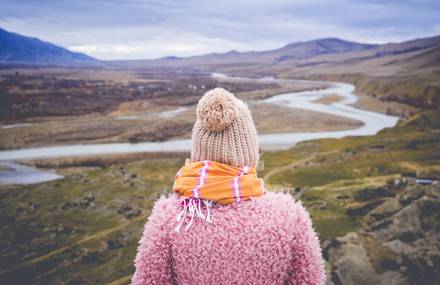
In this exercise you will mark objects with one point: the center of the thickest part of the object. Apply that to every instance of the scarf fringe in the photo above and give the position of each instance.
(192, 207)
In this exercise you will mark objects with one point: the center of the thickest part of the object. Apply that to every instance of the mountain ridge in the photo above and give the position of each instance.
(20, 49)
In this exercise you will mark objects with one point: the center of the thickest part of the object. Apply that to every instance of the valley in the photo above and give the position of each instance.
(83, 228)
(95, 214)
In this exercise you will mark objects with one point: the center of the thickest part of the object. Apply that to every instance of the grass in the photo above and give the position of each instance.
(365, 157)
(53, 244)
(335, 168)
(45, 243)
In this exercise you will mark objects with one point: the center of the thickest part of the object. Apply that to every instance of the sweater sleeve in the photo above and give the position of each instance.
(307, 262)
(152, 262)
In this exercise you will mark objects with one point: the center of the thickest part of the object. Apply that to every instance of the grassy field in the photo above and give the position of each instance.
(85, 227)
(333, 171)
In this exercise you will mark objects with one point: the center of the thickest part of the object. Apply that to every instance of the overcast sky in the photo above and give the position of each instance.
(135, 29)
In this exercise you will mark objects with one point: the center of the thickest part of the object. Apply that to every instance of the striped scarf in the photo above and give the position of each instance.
(203, 182)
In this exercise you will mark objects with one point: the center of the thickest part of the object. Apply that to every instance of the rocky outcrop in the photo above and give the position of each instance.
(399, 242)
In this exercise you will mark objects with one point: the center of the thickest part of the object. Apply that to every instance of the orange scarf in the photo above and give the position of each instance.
(219, 182)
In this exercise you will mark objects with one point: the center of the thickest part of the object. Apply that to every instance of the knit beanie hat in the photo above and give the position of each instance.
(224, 130)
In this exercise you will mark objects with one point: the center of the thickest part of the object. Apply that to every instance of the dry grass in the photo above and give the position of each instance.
(271, 118)
(139, 119)
(328, 100)
(101, 160)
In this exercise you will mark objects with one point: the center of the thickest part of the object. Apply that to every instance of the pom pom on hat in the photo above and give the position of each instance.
(217, 109)
(224, 130)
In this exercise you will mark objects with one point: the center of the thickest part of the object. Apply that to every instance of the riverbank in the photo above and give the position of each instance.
(372, 123)
(153, 119)
(46, 106)
(156, 126)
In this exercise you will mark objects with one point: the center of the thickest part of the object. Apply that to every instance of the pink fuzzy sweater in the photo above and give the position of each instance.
(266, 240)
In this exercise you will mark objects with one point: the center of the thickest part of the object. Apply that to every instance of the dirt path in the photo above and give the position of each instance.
(121, 281)
(300, 162)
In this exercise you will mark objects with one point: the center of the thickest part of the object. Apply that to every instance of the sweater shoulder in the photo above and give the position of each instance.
(278, 200)
(285, 205)
(164, 209)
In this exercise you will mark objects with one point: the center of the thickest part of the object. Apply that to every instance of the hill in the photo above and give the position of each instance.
(321, 56)
(386, 59)
(296, 50)
(18, 49)
(406, 72)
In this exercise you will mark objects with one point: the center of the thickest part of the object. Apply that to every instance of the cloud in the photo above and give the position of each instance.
(181, 45)
(116, 29)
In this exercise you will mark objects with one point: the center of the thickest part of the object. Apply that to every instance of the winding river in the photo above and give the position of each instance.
(372, 123)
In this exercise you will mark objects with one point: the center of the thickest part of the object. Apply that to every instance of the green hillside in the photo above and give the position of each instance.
(85, 228)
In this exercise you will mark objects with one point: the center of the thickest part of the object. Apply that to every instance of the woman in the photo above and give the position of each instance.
(221, 226)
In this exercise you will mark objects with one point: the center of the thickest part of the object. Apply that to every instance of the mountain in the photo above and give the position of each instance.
(385, 54)
(296, 50)
(18, 49)
(406, 72)
(313, 48)
(316, 58)
(305, 58)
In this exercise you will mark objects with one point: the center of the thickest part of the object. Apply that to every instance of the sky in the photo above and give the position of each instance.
(138, 29)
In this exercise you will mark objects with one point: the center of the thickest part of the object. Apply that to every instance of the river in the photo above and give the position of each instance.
(372, 123)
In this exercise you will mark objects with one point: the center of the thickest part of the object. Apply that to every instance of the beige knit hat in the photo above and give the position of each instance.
(224, 130)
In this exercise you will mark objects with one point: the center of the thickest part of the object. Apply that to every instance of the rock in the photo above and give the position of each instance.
(409, 236)
(328, 274)
(33, 206)
(406, 220)
(87, 201)
(423, 266)
(69, 205)
(116, 242)
(363, 209)
(342, 197)
(399, 247)
(384, 210)
(318, 205)
(61, 230)
(379, 225)
(412, 193)
(84, 203)
(27, 209)
(128, 211)
(85, 255)
(333, 243)
(369, 194)
(350, 263)
(398, 243)
(394, 278)
(430, 213)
